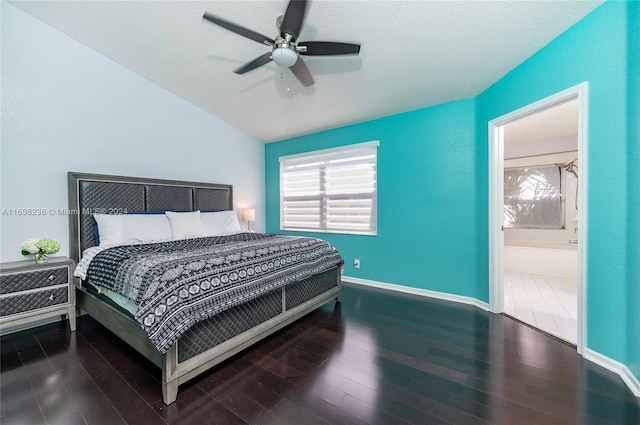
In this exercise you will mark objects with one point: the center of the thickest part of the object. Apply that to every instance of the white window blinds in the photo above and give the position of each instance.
(332, 190)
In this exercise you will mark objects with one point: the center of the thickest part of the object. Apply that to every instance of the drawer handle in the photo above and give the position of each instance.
(51, 297)
(52, 277)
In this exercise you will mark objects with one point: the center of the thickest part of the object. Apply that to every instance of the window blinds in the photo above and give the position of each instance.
(331, 191)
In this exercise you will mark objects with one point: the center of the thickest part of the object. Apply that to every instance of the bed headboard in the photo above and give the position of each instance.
(94, 193)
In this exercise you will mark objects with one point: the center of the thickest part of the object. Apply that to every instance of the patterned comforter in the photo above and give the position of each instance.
(178, 283)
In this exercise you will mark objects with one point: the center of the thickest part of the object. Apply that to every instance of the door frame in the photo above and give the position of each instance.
(496, 201)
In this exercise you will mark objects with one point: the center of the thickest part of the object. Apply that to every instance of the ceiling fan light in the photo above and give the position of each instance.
(284, 56)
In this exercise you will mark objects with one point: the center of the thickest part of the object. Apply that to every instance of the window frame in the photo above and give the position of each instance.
(561, 200)
(324, 198)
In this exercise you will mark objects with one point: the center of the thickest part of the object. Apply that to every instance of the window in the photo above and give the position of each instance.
(533, 198)
(331, 191)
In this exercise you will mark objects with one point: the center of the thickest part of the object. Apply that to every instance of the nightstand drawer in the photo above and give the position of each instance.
(32, 279)
(33, 300)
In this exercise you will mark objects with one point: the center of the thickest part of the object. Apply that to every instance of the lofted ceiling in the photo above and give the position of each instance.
(414, 54)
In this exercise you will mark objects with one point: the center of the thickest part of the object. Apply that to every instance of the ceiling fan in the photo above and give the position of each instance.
(286, 48)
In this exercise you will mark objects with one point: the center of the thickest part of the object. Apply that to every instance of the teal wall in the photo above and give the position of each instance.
(427, 237)
(434, 163)
(593, 50)
(633, 161)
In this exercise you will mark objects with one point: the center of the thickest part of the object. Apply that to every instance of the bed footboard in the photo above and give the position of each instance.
(296, 300)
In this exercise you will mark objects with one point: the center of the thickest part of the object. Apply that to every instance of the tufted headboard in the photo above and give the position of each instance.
(98, 193)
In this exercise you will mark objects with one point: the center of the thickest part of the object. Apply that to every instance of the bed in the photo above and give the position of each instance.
(215, 336)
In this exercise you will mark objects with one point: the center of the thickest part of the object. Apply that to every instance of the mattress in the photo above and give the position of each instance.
(176, 284)
(120, 300)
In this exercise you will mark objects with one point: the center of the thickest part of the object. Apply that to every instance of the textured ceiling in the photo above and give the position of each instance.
(414, 53)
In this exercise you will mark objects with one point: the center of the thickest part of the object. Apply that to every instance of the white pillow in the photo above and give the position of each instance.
(127, 228)
(219, 222)
(145, 227)
(185, 225)
(110, 228)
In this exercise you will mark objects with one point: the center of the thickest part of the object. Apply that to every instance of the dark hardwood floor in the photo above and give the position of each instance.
(376, 358)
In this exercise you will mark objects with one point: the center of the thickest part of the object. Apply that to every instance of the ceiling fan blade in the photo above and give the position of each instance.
(238, 29)
(301, 72)
(293, 18)
(257, 62)
(328, 48)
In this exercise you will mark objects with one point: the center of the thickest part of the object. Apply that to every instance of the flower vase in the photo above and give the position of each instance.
(39, 249)
(41, 258)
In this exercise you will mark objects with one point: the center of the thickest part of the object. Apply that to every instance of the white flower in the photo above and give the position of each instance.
(39, 248)
(30, 246)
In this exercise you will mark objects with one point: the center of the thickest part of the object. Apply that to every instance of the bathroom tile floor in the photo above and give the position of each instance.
(546, 302)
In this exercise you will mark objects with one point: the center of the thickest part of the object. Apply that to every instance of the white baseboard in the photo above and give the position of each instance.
(616, 367)
(417, 291)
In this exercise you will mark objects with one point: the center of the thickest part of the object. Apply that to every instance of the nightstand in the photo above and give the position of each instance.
(30, 292)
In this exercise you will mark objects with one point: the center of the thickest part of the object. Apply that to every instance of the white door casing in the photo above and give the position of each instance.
(496, 200)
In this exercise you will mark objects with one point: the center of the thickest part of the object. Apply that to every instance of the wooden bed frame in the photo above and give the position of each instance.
(91, 193)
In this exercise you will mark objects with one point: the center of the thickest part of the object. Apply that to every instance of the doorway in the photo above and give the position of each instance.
(575, 225)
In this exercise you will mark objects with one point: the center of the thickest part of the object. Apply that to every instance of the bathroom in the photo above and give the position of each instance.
(541, 220)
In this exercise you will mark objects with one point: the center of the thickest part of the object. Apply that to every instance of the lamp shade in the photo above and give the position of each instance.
(248, 214)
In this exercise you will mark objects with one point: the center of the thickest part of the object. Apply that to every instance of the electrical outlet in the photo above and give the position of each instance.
(356, 263)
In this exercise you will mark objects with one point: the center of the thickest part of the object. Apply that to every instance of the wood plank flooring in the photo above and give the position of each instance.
(546, 302)
(376, 358)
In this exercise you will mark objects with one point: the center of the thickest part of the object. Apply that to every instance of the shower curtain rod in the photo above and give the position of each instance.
(533, 156)
(554, 164)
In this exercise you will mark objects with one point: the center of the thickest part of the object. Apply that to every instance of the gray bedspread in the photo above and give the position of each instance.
(178, 283)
